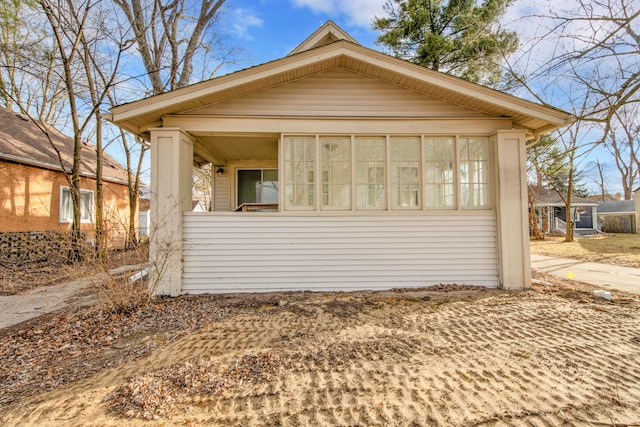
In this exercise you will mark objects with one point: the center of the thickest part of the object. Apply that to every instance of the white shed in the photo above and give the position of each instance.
(338, 167)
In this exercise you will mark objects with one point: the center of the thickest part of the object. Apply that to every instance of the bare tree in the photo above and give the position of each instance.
(600, 179)
(547, 168)
(596, 44)
(76, 33)
(592, 63)
(623, 142)
(29, 79)
(168, 36)
(203, 183)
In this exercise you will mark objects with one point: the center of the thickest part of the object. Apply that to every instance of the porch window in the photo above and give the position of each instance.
(300, 160)
(439, 160)
(474, 173)
(386, 172)
(405, 164)
(370, 176)
(336, 172)
(257, 186)
(66, 206)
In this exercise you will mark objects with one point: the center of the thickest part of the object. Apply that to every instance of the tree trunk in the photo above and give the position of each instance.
(100, 236)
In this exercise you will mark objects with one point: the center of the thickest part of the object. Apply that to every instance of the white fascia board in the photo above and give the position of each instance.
(366, 55)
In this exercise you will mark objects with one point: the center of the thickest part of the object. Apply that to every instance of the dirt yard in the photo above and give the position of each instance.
(452, 356)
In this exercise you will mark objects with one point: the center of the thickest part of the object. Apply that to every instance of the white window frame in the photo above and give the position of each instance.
(61, 209)
(422, 202)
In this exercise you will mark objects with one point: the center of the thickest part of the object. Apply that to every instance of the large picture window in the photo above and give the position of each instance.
(386, 172)
(66, 206)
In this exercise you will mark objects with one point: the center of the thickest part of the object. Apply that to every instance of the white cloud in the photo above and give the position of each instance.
(241, 21)
(358, 12)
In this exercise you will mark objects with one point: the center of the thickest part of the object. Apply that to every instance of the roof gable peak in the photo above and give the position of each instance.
(329, 32)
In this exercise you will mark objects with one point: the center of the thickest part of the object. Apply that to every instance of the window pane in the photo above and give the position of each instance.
(370, 173)
(438, 172)
(269, 188)
(405, 164)
(257, 186)
(86, 206)
(249, 186)
(474, 172)
(300, 156)
(336, 172)
(66, 206)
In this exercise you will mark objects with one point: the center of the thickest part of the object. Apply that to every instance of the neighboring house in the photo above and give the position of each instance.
(357, 170)
(144, 212)
(34, 193)
(636, 198)
(617, 217)
(551, 209)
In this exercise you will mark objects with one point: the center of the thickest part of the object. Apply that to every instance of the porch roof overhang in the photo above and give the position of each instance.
(140, 116)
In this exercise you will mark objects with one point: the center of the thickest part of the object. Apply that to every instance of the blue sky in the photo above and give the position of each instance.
(269, 29)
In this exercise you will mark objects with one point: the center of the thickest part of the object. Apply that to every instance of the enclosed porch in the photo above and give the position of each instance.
(336, 212)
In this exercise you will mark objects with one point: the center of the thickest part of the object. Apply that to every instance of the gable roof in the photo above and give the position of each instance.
(315, 55)
(22, 141)
(329, 32)
(617, 207)
(551, 197)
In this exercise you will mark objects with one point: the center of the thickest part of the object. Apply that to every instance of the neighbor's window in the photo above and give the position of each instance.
(336, 172)
(66, 206)
(370, 176)
(405, 180)
(439, 161)
(300, 158)
(474, 172)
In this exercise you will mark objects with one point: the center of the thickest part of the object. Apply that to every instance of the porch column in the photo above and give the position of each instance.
(514, 263)
(171, 183)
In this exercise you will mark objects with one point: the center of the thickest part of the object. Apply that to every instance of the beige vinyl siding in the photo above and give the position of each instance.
(337, 93)
(258, 252)
(222, 192)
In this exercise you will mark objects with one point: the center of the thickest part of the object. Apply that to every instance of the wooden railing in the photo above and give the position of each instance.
(257, 207)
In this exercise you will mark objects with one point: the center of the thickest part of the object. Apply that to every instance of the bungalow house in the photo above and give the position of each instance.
(551, 209)
(34, 193)
(617, 216)
(339, 167)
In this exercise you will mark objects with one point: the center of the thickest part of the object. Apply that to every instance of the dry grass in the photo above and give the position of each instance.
(617, 249)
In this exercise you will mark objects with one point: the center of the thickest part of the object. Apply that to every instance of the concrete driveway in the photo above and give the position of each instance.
(18, 308)
(602, 275)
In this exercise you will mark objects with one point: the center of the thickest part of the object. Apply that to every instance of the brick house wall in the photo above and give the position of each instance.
(30, 201)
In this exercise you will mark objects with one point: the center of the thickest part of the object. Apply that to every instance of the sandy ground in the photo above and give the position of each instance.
(548, 357)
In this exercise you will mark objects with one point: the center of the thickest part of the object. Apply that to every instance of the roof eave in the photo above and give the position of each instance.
(123, 115)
